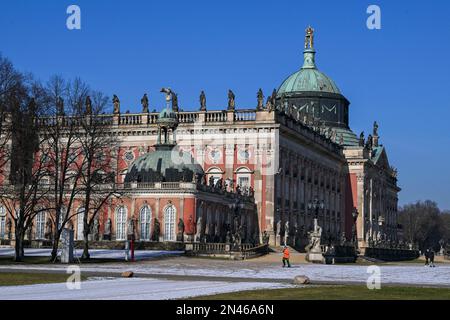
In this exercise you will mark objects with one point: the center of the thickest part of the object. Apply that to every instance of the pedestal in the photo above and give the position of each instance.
(67, 243)
(315, 257)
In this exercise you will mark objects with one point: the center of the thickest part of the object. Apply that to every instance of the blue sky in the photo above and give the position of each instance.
(398, 75)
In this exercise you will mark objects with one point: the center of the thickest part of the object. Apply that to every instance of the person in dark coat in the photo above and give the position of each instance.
(427, 256)
(431, 256)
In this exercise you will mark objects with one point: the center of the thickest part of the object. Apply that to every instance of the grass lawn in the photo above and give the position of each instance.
(349, 292)
(18, 279)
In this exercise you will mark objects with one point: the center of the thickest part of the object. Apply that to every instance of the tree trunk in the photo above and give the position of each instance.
(85, 255)
(55, 245)
(18, 252)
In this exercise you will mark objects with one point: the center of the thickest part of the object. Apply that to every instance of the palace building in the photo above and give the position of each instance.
(255, 174)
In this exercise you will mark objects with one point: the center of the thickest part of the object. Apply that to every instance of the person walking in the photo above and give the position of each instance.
(286, 256)
(431, 255)
(427, 256)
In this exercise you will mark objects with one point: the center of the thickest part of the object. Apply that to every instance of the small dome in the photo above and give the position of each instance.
(167, 117)
(308, 78)
(166, 164)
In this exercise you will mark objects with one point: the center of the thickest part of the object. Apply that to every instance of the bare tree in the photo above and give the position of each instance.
(97, 168)
(423, 224)
(22, 100)
(11, 84)
(64, 150)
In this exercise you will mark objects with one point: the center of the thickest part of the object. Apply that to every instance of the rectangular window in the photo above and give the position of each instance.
(244, 181)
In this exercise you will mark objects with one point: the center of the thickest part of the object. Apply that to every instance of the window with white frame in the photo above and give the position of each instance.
(2, 222)
(243, 177)
(145, 218)
(214, 172)
(169, 223)
(80, 224)
(244, 181)
(121, 223)
(40, 225)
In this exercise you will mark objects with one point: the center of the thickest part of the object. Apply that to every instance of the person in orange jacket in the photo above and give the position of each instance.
(286, 256)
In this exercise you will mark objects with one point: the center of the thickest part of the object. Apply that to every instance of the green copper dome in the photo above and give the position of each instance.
(308, 78)
(166, 164)
(167, 117)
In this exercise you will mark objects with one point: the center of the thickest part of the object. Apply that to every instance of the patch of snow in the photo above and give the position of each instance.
(129, 289)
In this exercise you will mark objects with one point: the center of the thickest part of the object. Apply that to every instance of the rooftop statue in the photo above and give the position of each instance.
(174, 102)
(309, 38)
(231, 100)
(88, 105)
(60, 106)
(260, 97)
(168, 93)
(375, 129)
(361, 139)
(202, 101)
(116, 104)
(144, 102)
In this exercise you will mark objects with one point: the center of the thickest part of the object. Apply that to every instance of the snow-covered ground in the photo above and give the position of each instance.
(400, 274)
(95, 253)
(240, 272)
(128, 289)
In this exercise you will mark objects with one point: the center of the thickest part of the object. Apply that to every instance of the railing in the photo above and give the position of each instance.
(130, 119)
(157, 185)
(216, 116)
(245, 115)
(187, 117)
(243, 251)
(255, 251)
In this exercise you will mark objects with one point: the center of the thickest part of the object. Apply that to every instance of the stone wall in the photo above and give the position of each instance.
(391, 254)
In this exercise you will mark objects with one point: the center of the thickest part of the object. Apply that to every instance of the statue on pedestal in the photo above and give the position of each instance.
(198, 233)
(95, 230)
(202, 101)
(228, 237)
(361, 139)
(60, 106)
(88, 106)
(156, 230)
(315, 239)
(116, 104)
(180, 235)
(309, 38)
(260, 98)
(48, 229)
(174, 102)
(144, 102)
(286, 232)
(231, 100)
(107, 230)
(131, 228)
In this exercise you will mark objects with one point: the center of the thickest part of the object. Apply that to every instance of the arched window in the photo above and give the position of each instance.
(243, 176)
(80, 224)
(121, 223)
(214, 172)
(2, 222)
(169, 223)
(40, 225)
(145, 218)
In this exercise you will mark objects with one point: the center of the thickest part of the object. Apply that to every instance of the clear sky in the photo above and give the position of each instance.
(399, 75)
